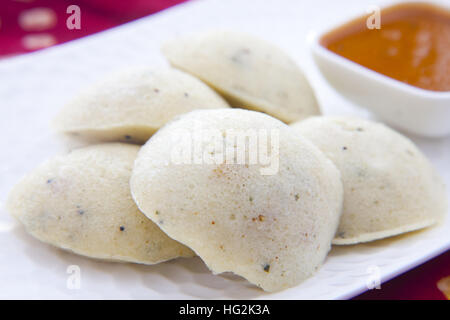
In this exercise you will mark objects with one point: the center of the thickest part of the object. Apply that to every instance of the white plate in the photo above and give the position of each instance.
(34, 86)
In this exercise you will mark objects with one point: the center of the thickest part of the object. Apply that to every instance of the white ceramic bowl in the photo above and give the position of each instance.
(414, 110)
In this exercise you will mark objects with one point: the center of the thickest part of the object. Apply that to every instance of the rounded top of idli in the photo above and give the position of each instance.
(390, 187)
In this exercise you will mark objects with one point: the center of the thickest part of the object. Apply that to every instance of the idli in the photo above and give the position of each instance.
(250, 73)
(130, 105)
(243, 191)
(389, 185)
(81, 202)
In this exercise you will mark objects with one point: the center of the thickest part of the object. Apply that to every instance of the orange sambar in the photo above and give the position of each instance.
(412, 44)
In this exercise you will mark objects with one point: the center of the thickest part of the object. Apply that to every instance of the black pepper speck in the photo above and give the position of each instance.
(122, 228)
(266, 267)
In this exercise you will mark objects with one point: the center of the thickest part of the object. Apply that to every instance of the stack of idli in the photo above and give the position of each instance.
(241, 189)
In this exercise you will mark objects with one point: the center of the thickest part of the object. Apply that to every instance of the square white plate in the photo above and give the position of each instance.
(34, 86)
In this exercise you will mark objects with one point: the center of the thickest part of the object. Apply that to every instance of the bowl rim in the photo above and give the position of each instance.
(318, 49)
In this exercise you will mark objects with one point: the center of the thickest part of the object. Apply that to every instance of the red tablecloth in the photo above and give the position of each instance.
(28, 25)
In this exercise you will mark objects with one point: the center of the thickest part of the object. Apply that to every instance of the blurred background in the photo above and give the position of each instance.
(30, 25)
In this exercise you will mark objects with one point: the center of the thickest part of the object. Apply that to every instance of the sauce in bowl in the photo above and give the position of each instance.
(412, 45)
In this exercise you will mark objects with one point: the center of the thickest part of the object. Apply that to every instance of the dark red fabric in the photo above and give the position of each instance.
(417, 284)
